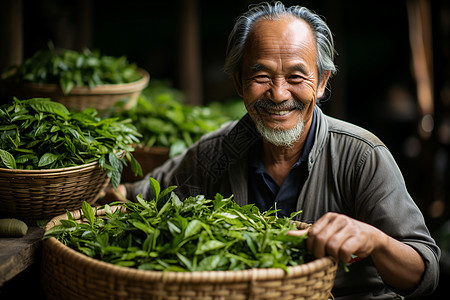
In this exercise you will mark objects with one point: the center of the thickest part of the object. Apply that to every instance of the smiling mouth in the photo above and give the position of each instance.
(270, 108)
(278, 112)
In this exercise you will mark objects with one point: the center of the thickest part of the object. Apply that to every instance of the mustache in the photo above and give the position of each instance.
(267, 104)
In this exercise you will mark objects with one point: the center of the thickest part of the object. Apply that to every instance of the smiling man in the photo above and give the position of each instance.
(279, 83)
(286, 154)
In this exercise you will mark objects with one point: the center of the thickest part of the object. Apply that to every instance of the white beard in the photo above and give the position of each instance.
(280, 137)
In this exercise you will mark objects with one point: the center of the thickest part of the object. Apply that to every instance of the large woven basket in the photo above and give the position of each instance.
(101, 97)
(32, 195)
(68, 274)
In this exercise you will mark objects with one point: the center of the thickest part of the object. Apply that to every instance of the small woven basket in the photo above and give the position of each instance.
(101, 97)
(32, 195)
(69, 274)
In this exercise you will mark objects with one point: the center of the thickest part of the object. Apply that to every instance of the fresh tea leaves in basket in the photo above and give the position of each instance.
(40, 134)
(69, 68)
(196, 234)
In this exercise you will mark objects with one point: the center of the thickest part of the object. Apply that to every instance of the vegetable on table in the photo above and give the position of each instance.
(39, 133)
(196, 234)
(12, 227)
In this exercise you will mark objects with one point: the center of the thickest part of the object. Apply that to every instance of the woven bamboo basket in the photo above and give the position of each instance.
(68, 274)
(32, 195)
(101, 97)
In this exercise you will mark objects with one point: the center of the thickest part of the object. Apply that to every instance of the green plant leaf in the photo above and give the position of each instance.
(212, 262)
(47, 159)
(208, 246)
(193, 228)
(7, 159)
(48, 106)
(167, 191)
(115, 161)
(88, 212)
(115, 177)
(155, 187)
(136, 167)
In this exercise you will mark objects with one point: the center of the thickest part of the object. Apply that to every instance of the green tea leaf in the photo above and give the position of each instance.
(114, 161)
(142, 226)
(88, 212)
(56, 232)
(7, 159)
(69, 223)
(115, 177)
(212, 262)
(209, 246)
(47, 159)
(174, 229)
(167, 191)
(193, 228)
(136, 167)
(155, 187)
(124, 263)
(141, 201)
(251, 243)
(185, 261)
(47, 106)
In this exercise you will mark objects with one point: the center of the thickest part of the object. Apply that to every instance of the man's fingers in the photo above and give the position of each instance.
(298, 232)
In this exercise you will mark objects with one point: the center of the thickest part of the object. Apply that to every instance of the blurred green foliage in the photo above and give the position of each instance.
(164, 120)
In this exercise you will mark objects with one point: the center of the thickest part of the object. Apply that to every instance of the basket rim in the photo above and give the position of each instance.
(181, 277)
(120, 88)
(49, 171)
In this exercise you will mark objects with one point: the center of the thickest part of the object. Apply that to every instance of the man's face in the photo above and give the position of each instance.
(279, 81)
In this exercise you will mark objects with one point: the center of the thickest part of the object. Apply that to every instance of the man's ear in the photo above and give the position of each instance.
(323, 84)
(238, 84)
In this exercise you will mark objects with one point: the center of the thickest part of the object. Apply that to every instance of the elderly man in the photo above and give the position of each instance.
(286, 153)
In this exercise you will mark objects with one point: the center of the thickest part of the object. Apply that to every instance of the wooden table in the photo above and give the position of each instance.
(18, 253)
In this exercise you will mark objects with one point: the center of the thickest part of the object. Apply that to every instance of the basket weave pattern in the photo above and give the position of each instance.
(32, 195)
(69, 274)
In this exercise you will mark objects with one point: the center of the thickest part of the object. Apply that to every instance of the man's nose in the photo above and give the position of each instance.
(278, 91)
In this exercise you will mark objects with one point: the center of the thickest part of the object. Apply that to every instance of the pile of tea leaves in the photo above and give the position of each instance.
(38, 133)
(196, 234)
(69, 68)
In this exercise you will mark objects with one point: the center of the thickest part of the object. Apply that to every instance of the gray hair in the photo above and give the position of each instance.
(243, 25)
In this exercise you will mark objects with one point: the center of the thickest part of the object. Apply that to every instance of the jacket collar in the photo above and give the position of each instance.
(320, 136)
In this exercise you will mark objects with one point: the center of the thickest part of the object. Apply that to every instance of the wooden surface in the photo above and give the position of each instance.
(18, 253)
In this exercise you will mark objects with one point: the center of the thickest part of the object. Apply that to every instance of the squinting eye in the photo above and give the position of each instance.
(295, 78)
(262, 78)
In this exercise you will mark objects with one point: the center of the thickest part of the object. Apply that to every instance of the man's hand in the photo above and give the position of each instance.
(341, 237)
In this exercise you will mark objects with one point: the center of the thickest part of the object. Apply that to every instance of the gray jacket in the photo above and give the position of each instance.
(350, 171)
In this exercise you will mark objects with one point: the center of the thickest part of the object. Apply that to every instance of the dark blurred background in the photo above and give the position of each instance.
(393, 67)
